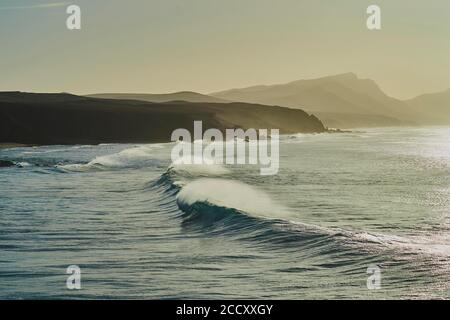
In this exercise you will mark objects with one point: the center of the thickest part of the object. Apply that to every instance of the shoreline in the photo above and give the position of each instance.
(63, 119)
(11, 145)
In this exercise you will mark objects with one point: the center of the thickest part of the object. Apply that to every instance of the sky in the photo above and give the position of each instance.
(158, 46)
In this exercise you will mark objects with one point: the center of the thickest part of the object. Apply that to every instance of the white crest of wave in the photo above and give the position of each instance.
(22, 164)
(124, 158)
(230, 194)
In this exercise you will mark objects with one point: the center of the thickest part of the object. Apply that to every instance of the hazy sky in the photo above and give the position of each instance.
(155, 46)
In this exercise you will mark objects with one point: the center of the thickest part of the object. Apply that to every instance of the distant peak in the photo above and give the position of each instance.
(348, 75)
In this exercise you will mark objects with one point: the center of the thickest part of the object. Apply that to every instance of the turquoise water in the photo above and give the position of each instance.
(139, 228)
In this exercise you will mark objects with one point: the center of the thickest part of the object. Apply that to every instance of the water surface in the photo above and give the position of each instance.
(139, 228)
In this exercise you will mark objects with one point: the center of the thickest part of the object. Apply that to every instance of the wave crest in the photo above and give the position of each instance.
(228, 194)
(132, 157)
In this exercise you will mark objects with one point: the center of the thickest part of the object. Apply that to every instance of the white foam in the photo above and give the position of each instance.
(125, 158)
(230, 194)
(22, 164)
(240, 196)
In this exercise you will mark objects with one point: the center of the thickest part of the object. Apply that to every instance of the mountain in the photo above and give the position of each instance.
(434, 108)
(342, 100)
(177, 96)
(46, 119)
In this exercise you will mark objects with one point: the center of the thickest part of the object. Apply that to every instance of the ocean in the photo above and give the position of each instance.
(141, 228)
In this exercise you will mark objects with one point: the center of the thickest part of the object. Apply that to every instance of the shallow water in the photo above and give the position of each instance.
(139, 229)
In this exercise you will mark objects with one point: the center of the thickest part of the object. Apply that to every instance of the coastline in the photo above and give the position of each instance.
(10, 145)
(64, 119)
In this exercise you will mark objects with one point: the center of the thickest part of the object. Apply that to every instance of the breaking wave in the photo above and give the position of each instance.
(134, 157)
(233, 206)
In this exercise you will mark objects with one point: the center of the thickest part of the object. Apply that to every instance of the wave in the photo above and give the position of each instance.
(427, 245)
(229, 194)
(129, 158)
(233, 206)
(206, 199)
(22, 162)
(10, 163)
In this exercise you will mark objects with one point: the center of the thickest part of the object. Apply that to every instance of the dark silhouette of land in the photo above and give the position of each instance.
(48, 119)
(165, 97)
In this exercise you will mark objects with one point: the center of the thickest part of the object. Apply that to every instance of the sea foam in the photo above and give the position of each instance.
(131, 157)
(229, 194)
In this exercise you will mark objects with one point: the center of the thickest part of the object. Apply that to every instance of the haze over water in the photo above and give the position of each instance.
(139, 228)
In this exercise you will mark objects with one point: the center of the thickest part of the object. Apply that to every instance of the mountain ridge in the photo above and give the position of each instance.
(335, 99)
(434, 107)
(188, 96)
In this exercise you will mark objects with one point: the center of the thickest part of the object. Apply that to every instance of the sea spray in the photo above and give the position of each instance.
(230, 194)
